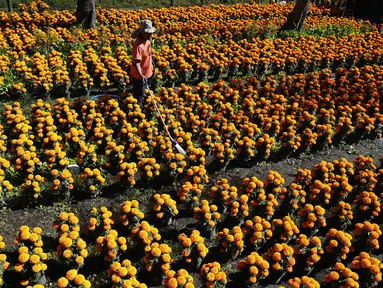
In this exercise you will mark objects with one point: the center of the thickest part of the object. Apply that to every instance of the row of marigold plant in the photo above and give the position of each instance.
(299, 239)
(245, 120)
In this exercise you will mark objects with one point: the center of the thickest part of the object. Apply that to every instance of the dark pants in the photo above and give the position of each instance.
(139, 88)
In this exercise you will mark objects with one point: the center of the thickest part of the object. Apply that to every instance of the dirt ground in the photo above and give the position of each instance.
(10, 221)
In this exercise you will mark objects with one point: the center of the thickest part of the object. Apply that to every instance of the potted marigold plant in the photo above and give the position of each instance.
(101, 221)
(368, 268)
(338, 244)
(73, 279)
(342, 215)
(179, 279)
(212, 275)
(231, 242)
(4, 265)
(257, 232)
(254, 269)
(72, 250)
(31, 257)
(281, 259)
(341, 276)
(193, 249)
(207, 217)
(304, 282)
(157, 261)
(65, 223)
(143, 235)
(312, 218)
(165, 208)
(309, 250)
(285, 228)
(222, 194)
(367, 233)
(190, 193)
(92, 181)
(111, 246)
(124, 275)
(239, 209)
(130, 214)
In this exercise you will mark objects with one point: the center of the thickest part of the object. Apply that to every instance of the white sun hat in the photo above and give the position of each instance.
(146, 26)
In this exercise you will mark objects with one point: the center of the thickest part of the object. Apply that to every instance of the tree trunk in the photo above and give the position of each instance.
(9, 3)
(297, 17)
(86, 13)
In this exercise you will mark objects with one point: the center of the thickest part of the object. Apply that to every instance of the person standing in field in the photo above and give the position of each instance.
(142, 69)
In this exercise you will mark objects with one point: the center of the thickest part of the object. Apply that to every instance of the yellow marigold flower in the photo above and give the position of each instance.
(67, 242)
(210, 277)
(67, 253)
(23, 257)
(79, 279)
(132, 271)
(250, 259)
(25, 235)
(79, 260)
(84, 253)
(73, 235)
(334, 275)
(65, 174)
(44, 256)
(18, 267)
(23, 249)
(54, 173)
(64, 228)
(34, 259)
(63, 216)
(33, 237)
(87, 284)
(36, 268)
(181, 280)
(111, 244)
(73, 220)
(166, 258)
(37, 230)
(156, 252)
(62, 282)
(3, 257)
(172, 283)
(81, 244)
(93, 221)
(39, 243)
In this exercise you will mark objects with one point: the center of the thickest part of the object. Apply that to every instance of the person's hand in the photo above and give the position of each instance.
(144, 80)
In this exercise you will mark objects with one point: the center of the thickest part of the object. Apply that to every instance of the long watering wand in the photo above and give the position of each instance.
(178, 146)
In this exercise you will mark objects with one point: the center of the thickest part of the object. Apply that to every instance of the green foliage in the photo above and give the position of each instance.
(268, 31)
(6, 82)
(271, 31)
(326, 31)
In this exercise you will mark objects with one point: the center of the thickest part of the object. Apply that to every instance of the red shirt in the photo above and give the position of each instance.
(142, 51)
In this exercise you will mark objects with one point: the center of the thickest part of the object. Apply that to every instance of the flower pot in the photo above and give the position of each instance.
(210, 233)
(42, 280)
(196, 264)
(170, 221)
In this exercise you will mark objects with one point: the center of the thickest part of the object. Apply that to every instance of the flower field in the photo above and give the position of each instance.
(235, 94)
